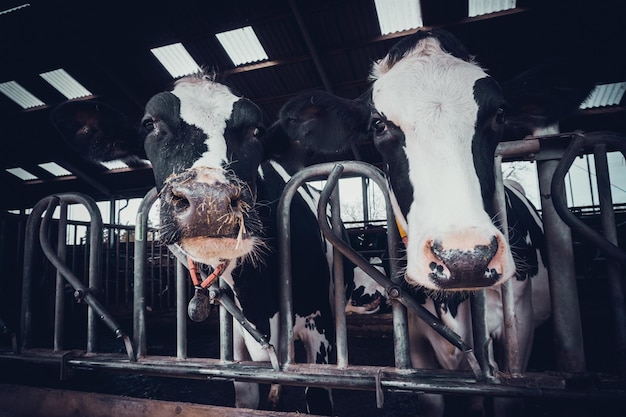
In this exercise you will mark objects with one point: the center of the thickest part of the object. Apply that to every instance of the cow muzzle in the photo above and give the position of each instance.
(463, 261)
(208, 215)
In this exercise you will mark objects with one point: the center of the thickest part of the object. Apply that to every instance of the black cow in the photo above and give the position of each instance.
(436, 118)
(220, 176)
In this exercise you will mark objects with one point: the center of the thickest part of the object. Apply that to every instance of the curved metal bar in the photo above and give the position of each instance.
(139, 297)
(394, 291)
(95, 307)
(321, 172)
(29, 269)
(580, 143)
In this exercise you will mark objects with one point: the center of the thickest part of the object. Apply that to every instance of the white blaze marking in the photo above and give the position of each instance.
(207, 107)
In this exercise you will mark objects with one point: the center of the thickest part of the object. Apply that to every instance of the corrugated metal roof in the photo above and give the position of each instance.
(106, 47)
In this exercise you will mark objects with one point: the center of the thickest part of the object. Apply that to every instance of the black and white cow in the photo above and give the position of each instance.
(437, 117)
(220, 176)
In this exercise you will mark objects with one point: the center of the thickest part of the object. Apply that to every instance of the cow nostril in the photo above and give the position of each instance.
(179, 201)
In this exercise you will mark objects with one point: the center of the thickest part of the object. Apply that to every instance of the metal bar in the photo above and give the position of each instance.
(311, 46)
(393, 291)
(480, 331)
(513, 363)
(181, 310)
(95, 281)
(613, 269)
(139, 297)
(226, 330)
(557, 188)
(357, 377)
(31, 240)
(285, 348)
(338, 277)
(563, 291)
(366, 209)
(59, 299)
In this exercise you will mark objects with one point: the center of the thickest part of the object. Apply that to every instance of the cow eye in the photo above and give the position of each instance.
(378, 126)
(148, 124)
(258, 132)
(500, 115)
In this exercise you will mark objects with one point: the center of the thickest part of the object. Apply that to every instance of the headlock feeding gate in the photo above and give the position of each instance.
(553, 154)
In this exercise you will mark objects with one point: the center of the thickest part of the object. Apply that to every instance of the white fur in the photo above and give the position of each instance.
(429, 95)
(207, 108)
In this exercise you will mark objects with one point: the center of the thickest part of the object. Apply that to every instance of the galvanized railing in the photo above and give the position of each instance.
(547, 151)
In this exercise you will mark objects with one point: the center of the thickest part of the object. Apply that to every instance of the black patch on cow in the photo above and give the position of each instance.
(444, 301)
(522, 225)
(487, 134)
(244, 137)
(448, 42)
(390, 142)
(170, 144)
(257, 286)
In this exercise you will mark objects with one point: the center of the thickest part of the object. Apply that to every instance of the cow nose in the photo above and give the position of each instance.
(203, 209)
(466, 268)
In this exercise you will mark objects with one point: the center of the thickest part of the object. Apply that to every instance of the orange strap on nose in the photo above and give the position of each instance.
(195, 274)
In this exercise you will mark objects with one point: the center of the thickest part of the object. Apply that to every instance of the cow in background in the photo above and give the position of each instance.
(436, 119)
(220, 176)
(363, 294)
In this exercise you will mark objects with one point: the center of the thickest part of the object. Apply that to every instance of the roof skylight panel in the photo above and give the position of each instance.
(398, 15)
(481, 7)
(20, 95)
(22, 174)
(176, 60)
(242, 46)
(605, 95)
(55, 169)
(65, 84)
(115, 164)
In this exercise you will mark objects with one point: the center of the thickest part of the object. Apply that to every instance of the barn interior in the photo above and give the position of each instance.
(322, 45)
(110, 48)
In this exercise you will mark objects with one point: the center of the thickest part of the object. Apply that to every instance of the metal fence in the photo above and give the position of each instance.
(149, 281)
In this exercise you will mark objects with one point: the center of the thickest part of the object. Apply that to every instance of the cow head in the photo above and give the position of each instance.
(205, 144)
(437, 118)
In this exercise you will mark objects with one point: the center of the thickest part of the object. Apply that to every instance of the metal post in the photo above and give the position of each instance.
(338, 276)
(508, 295)
(181, 310)
(226, 328)
(568, 337)
(613, 268)
(59, 303)
(139, 297)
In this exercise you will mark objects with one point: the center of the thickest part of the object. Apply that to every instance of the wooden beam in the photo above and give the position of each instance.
(22, 401)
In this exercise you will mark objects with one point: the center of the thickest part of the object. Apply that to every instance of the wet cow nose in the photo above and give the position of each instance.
(200, 209)
(467, 267)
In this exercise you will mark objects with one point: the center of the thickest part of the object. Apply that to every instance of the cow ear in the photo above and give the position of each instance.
(544, 95)
(322, 123)
(97, 132)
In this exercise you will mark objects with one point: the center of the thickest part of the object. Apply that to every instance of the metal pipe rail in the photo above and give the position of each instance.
(96, 309)
(368, 378)
(598, 143)
(569, 382)
(393, 289)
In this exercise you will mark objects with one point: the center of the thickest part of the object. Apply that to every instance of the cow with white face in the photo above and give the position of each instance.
(437, 118)
(220, 177)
